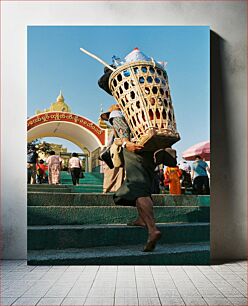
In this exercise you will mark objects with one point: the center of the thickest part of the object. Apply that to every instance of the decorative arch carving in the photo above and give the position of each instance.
(73, 127)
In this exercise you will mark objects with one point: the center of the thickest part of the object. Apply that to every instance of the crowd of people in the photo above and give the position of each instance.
(48, 171)
(183, 178)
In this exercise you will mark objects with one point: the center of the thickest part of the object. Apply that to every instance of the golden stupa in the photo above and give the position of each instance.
(58, 106)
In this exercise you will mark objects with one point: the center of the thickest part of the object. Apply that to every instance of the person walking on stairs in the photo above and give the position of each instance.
(75, 167)
(54, 163)
(136, 189)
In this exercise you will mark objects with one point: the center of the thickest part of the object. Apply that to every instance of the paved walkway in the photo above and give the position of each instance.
(123, 285)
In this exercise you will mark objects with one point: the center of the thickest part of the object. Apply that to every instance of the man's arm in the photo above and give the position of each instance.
(130, 146)
(123, 132)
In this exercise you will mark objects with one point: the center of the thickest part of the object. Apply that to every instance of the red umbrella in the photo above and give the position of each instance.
(201, 148)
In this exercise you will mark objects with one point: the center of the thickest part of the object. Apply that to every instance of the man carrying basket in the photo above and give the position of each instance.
(140, 86)
(136, 188)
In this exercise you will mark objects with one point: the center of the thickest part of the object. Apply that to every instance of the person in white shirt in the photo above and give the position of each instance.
(75, 167)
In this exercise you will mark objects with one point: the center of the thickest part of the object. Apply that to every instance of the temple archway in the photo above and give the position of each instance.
(75, 128)
(58, 121)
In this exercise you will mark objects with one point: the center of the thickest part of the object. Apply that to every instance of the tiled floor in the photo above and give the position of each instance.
(123, 285)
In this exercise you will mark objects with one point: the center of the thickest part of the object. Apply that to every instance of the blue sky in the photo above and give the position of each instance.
(55, 63)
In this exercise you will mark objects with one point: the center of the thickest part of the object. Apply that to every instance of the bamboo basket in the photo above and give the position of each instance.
(142, 91)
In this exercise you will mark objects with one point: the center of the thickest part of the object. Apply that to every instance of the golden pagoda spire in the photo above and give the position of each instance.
(60, 98)
(58, 106)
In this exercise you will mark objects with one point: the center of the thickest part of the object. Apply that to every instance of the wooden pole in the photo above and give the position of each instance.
(97, 58)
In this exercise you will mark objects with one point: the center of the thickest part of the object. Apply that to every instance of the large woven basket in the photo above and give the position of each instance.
(142, 92)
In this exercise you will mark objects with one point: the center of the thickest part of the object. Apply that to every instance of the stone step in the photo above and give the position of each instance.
(68, 189)
(78, 215)
(89, 178)
(82, 181)
(85, 236)
(31, 186)
(178, 254)
(64, 174)
(99, 199)
(50, 190)
(67, 183)
(37, 187)
(95, 174)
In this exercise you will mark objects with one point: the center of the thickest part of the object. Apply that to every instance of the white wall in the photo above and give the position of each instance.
(228, 103)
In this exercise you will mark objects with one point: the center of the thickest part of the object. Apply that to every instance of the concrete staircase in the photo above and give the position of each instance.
(90, 178)
(92, 182)
(72, 228)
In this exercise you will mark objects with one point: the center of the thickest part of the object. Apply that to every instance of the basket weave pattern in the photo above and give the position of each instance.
(142, 92)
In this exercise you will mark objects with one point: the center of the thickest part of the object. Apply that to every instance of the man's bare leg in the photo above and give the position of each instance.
(145, 209)
(139, 221)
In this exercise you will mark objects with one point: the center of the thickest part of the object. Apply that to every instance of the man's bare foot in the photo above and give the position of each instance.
(137, 222)
(152, 240)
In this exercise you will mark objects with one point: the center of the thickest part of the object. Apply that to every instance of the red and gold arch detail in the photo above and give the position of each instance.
(67, 117)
